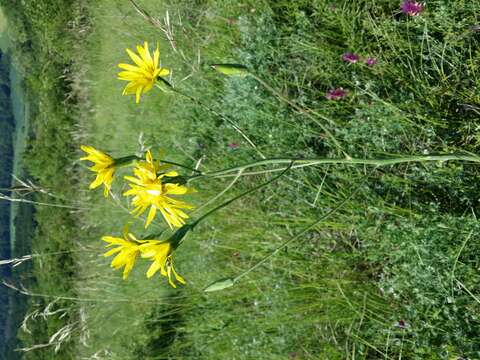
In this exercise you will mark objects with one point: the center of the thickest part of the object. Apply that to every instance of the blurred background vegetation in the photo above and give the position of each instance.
(393, 275)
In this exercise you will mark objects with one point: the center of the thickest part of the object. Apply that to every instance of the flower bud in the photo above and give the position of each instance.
(220, 285)
(231, 69)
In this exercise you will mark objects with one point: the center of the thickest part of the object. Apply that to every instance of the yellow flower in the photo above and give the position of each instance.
(143, 76)
(161, 254)
(148, 190)
(127, 251)
(104, 167)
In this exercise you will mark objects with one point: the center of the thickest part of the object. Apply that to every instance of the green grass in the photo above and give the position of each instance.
(401, 251)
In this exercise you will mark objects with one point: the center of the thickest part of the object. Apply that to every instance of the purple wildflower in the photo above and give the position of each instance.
(350, 57)
(371, 61)
(411, 8)
(336, 94)
(233, 146)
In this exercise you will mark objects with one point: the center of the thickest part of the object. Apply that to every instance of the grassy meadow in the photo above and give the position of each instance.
(393, 274)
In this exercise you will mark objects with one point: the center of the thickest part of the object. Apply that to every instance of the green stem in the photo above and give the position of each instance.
(181, 165)
(128, 160)
(177, 238)
(304, 231)
(301, 163)
(220, 194)
(226, 203)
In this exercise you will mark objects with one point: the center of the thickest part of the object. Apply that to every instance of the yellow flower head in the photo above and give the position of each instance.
(143, 75)
(104, 167)
(148, 190)
(161, 254)
(127, 251)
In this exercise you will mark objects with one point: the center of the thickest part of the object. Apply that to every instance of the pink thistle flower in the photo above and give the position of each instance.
(336, 94)
(371, 61)
(233, 146)
(350, 57)
(411, 8)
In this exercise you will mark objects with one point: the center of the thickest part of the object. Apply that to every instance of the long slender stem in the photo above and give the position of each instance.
(304, 231)
(226, 203)
(178, 237)
(220, 194)
(126, 160)
(181, 165)
(130, 159)
(301, 163)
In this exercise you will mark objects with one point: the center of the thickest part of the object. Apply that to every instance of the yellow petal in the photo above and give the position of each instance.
(128, 268)
(98, 180)
(169, 275)
(136, 59)
(151, 216)
(138, 93)
(129, 76)
(112, 251)
(177, 276)
(153, 269)
(129, 67)
(175, 189)
(87, 149)
(129, 89)
(148, 57)
(112, 240)
(149, 157)
(148, 87)
(106, 190)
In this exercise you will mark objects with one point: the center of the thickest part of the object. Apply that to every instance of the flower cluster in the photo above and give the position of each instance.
(408, 7)
(149, 188)
(353, 58)
(129, 248)
(152, 185)
(350, 58)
